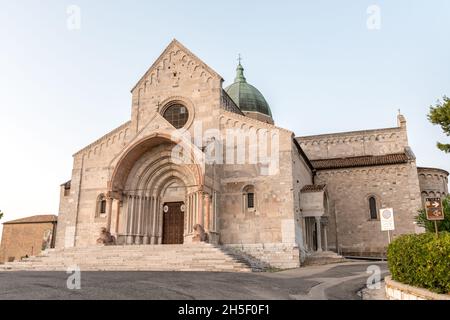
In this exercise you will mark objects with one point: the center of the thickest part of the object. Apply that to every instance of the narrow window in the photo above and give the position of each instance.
(100, 208)
(373, 208)
(250, 200)
(103, 206)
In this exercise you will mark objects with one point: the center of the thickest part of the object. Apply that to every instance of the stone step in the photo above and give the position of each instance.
(192, 257)
(322, 258)
(130, 268)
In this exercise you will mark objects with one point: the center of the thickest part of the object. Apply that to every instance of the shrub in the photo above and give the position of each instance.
(421, 260)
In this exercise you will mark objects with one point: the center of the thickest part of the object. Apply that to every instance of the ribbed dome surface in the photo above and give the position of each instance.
(246, 96)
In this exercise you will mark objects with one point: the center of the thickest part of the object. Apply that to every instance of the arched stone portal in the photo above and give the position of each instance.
(156, 193)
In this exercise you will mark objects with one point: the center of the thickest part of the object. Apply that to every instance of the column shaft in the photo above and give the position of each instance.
(206, 210)
(109, 202)
(117, 216)
(318, 234)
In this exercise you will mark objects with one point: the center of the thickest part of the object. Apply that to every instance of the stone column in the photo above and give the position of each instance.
(213, 212)
(153, 239)
(145, 228)
(186, 215)
(130, 218)
(200, 216)
(159, 213)
(138, 220)
(194, 210)
(109, 202)
(191, 213)
(318, 234)
(206, 205)
(117, 217)
(325, 236)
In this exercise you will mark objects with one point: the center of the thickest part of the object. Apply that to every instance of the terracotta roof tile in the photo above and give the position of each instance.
(35, 219)
(313, 188)
(362, 161)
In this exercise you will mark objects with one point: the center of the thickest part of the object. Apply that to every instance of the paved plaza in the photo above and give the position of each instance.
(338, 281)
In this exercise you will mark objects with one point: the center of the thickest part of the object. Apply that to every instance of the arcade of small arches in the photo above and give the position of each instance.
(433, 194)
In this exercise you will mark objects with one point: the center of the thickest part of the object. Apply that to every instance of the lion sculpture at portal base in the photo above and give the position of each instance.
(106, 238)
(199, 234)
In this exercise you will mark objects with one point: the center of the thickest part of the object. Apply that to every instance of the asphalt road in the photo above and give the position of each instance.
(339, 281)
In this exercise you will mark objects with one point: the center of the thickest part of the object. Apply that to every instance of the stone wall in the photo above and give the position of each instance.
(356, 143)
(21, 239)
(273, 220)
(301, 176)
(350, 229)
(399, 291)
(394, 186)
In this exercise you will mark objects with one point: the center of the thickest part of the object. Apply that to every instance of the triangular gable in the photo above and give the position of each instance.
(173, 46)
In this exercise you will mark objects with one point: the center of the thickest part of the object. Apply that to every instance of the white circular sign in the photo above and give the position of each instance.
(182, 208)
(387, 214)
(166, 208)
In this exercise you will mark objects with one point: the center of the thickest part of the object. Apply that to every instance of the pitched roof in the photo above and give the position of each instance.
(312, 188)
(35, 219)
(361, 161)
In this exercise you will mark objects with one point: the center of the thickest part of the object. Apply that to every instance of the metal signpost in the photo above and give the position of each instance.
(387, 221)
(434, 210)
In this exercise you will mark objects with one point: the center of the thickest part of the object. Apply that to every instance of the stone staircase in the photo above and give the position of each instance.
(187, 257)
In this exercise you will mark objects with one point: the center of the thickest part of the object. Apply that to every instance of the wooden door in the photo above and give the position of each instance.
(173, 223)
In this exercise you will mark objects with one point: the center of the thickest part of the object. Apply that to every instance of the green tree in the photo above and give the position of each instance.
(1, 214)
(440, 115)
(443, 225)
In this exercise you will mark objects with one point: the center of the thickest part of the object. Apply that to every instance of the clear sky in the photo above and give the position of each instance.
(317, 63)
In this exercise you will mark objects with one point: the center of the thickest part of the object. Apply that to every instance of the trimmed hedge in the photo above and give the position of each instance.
(421, 260)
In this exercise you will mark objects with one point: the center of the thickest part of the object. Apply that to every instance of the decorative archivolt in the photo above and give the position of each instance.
(154, 170)
(137, 152)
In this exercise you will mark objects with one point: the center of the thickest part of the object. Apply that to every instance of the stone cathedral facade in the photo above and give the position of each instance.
(199, 162)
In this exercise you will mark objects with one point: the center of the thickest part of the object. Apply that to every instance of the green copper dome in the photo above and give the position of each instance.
(246, 96)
